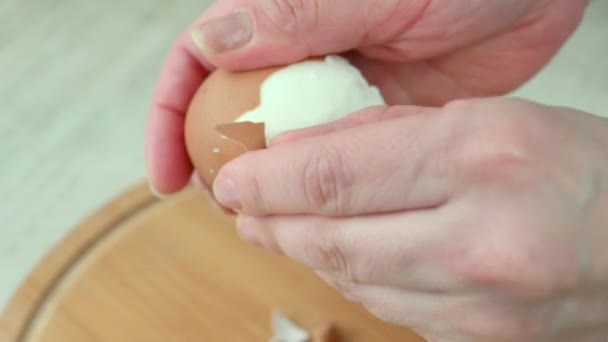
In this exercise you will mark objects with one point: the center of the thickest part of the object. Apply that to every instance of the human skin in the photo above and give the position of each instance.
(482, 220)
(422, 52)
(467, 220)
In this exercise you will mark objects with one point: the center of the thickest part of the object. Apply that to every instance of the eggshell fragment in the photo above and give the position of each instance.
(212, 137)
(284, 330)
(234, 140)
(249, 134)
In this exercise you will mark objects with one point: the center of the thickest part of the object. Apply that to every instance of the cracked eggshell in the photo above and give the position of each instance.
(212, 137)
(233, 113)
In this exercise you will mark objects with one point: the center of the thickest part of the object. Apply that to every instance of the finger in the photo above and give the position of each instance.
(253, 34)
(487, 49)
(168, 163)
(494, 65)
(473, 316)
(197, 183)
(422, 310)
(366, 116)
(434, 316)
(404, 31)
(169, 166)
(392, 165)
(411, 251)
(428, 314)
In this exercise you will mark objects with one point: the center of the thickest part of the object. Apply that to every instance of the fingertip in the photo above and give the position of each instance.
(227, 193)
(168, 163)
(198, 183)
(162, 189)
(220, 40)
(155, 192)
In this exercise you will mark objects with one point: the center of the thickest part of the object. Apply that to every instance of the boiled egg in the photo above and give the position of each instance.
(233, 113)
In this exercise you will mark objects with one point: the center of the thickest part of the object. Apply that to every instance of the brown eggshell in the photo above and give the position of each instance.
(212, 137)
(249, 135)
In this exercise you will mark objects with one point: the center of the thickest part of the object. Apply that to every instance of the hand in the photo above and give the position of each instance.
(483, 220)
(423, 52)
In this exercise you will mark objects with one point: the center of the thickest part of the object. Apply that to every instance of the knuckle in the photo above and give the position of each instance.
(325, 179)
(487, 264)
(504, 260)
(291, 15)
(492, 145)
(488, 267)
(327, 253)
(499, 149)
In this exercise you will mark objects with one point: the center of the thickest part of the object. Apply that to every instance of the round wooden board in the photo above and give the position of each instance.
(174, 270)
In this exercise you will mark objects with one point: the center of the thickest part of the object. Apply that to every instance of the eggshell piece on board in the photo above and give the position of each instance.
(222, 98)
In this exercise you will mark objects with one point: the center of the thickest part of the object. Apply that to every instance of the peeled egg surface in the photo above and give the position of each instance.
(262, 104)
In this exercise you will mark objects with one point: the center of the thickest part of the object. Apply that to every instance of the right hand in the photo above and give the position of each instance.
(422, 52)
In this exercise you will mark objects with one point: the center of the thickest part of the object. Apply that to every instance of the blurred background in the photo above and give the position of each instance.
(75, 82)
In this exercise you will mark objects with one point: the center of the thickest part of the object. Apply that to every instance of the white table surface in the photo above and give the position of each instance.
(75, 81)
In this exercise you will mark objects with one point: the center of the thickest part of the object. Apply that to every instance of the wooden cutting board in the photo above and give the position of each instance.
(145, 270)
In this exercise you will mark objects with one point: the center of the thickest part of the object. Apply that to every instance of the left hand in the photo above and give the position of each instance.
(483, 220)
(403, 47)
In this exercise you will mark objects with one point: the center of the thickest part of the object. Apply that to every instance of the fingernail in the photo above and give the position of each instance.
(226, 193)
(156, 193)
(214, 203)
(225, 33)
(197, 183)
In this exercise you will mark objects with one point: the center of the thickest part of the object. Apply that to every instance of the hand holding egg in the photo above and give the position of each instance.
(415, 52)
(438, 216)
(483, 220)
(233, 113)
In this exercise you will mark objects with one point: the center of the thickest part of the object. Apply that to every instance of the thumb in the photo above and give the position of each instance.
(254, 34)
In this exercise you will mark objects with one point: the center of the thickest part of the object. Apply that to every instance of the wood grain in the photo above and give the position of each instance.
(76, 78)
(41, 282)
(174, 270)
